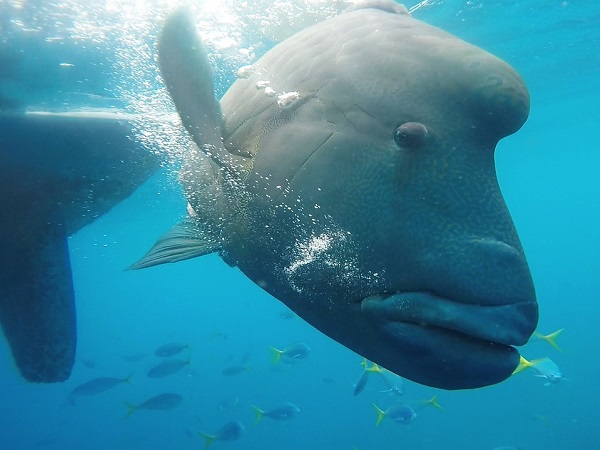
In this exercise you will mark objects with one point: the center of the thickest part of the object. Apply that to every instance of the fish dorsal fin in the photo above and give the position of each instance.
(186, 70)
(186, 240)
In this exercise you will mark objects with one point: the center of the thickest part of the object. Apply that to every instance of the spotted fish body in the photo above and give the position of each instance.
(58, 173)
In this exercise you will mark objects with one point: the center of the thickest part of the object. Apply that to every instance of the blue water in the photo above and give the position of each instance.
(547, 172)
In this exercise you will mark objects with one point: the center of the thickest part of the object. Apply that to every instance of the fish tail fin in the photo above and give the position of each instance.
(259, 414)
(69, 401)
(433, 401)
(380, 414)
(550, 338)
(374, 368)
(208, 439)
(276, 355)
(127, 379)
(364, 363)
(523, 364)
(130, 409)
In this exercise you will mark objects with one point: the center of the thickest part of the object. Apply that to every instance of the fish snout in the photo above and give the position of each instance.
(480, 287)
(480, 271)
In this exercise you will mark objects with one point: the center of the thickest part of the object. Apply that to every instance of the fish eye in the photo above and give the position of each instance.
(410, 135)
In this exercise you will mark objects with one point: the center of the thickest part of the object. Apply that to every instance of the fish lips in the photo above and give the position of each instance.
(454, 345)
(508, 324)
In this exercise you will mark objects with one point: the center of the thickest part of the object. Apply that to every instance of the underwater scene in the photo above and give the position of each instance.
(381, 236)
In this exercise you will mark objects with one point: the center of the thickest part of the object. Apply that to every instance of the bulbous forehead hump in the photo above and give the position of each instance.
(392, 63)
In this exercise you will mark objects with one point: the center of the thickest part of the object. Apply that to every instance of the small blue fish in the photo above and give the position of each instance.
(548, 369)
(393, 382)
(234, 370)
(158, 402)
(229, 404)
(544, 368)
(134, 357)
(88, 363)
(400, 413)
(433, 402)
(229, 432)
(167, 367)
(284, 411)
(98, 385)
(170, 349)
(361, 383)
(294, 352)
(288, 314)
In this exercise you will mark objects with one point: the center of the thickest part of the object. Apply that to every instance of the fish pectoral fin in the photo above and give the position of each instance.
(188, 239)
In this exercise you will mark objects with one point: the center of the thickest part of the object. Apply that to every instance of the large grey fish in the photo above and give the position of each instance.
(351, 175)
(58, 173)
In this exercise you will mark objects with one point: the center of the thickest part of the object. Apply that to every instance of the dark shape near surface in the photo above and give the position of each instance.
(58, 173)
(363, 194)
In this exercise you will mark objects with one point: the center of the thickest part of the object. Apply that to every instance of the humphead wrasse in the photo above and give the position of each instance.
(351, 175)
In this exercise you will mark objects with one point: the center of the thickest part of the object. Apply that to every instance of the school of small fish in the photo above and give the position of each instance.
(175, 357)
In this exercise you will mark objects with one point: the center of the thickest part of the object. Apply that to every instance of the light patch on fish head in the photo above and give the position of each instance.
(330, 251)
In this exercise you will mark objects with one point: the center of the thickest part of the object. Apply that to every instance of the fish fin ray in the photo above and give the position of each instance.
(186, 240)
(380, 414)
(550, 338)
(130, 409)
(523, 364)
(208, 438)
(276, 355)
(259, 414)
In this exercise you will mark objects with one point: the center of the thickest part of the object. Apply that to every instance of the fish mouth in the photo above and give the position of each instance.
(506, 324)
(447, 344)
